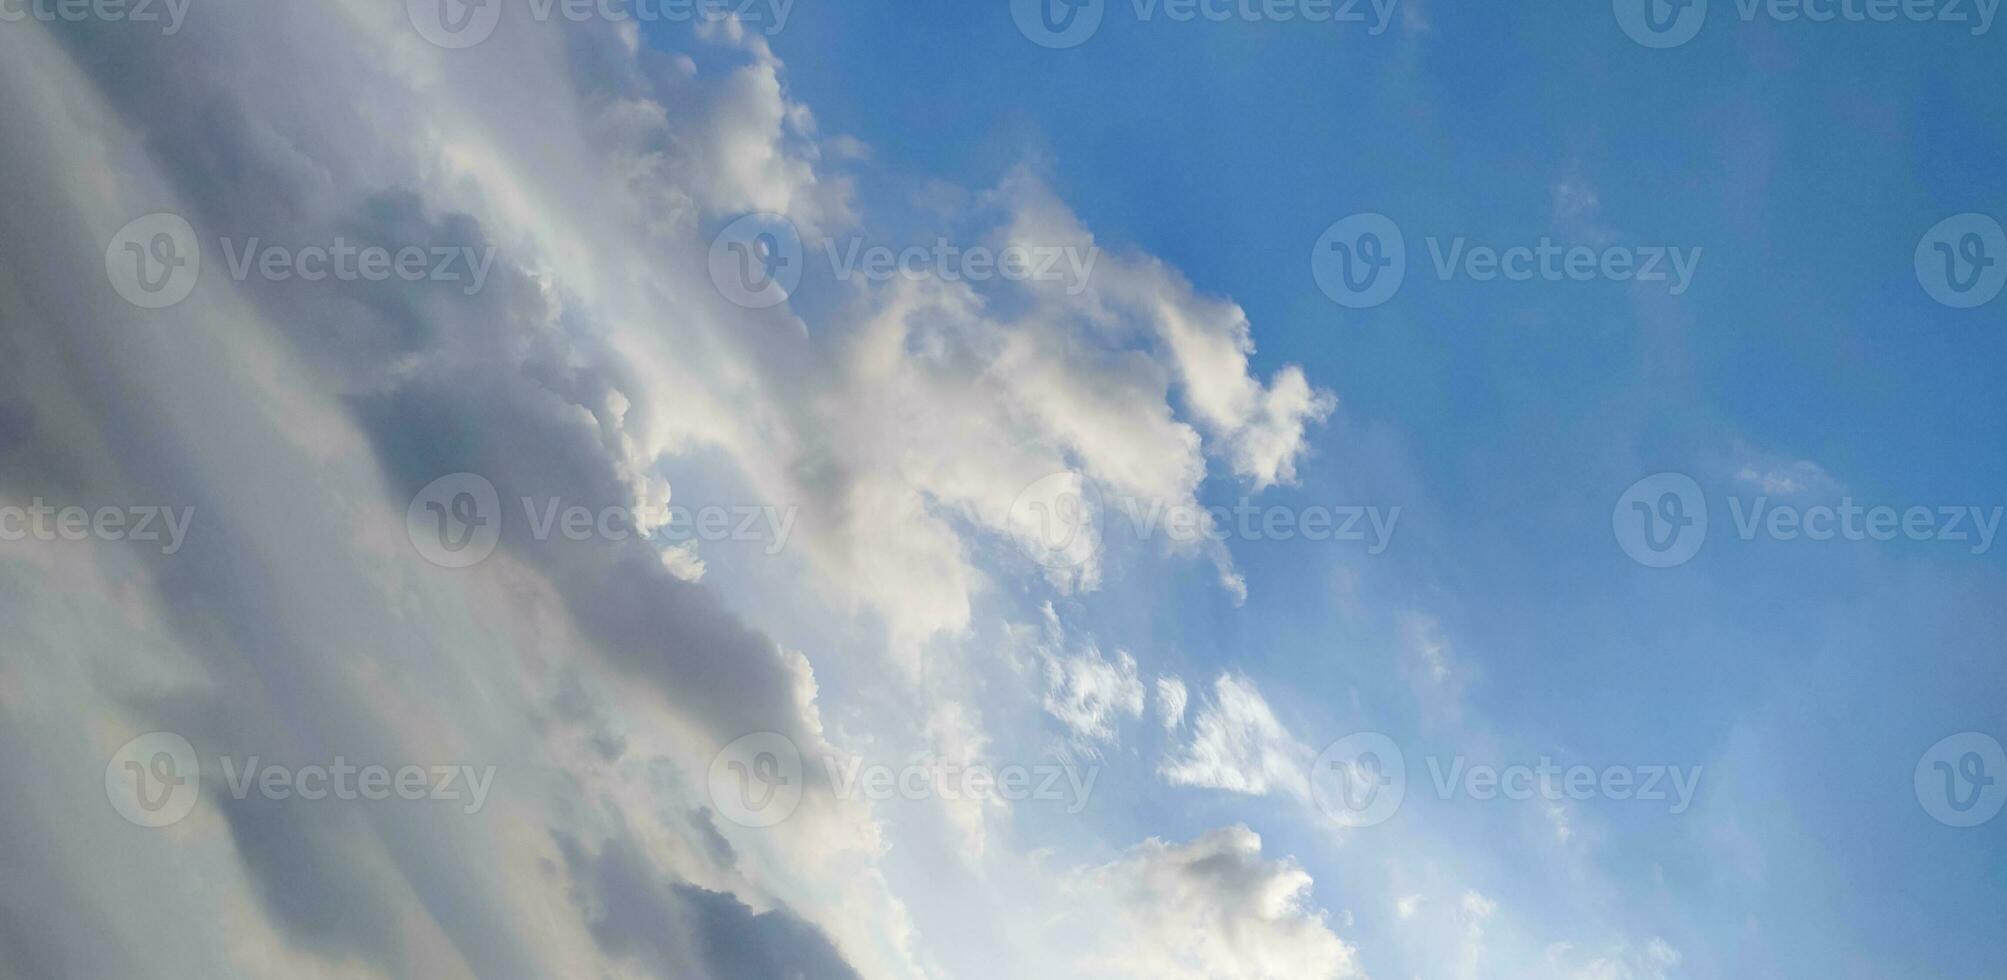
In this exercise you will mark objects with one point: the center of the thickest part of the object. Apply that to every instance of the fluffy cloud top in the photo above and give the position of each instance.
(1210, 908)
(597, 366)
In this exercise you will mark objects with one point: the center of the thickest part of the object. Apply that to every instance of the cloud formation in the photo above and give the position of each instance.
(595, 365)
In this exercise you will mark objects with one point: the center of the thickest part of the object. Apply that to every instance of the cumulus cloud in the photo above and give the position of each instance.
(297, 622)
(1208, 908)
(949, 412)
(599, 367)
(1205, 341)
(672, 929)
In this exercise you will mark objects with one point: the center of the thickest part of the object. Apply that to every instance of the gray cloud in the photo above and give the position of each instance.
(680, 930)
(298, 419)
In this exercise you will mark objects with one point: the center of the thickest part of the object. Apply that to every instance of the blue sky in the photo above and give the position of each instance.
(1805, 160)
(1822, 716)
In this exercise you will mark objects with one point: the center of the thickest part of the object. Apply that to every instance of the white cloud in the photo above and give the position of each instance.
(1574, 198)
(1652, 960)
(1084, 690)
(1782, 476)
(945, 413)
(1426, 643)
(1205, 341)
(1207, 909)
(1171, 697)
(1476, 907)
(597, 367)
(1238, 745)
